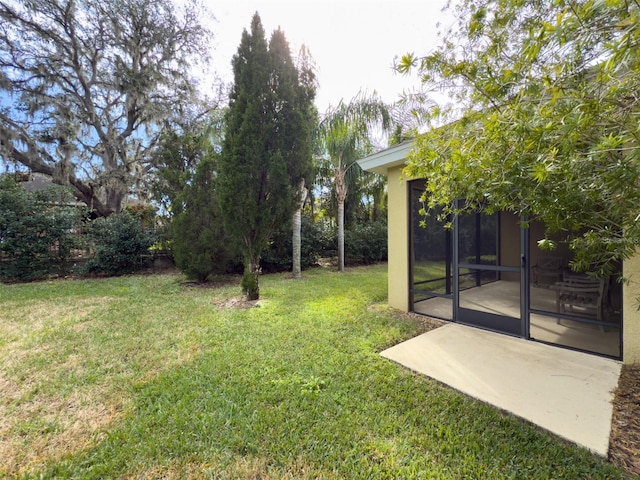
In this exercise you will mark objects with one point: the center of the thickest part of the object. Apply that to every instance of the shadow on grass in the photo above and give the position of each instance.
(296, 389)
(353, 417)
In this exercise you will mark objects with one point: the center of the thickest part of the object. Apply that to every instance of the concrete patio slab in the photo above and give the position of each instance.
(566, 392)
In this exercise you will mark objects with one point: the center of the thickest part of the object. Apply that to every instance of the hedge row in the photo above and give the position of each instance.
(42, 233)
(364, 244)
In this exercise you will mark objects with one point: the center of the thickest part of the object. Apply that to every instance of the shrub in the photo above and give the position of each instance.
(200, 245)
(329, 240)
(201, 248)
(121, 244)
(37, 231)
(278, 257)
(366, 243)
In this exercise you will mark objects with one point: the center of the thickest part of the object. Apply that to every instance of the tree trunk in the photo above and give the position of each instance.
(341, 196)
(296, 239)
(341, 235)
(250, 278)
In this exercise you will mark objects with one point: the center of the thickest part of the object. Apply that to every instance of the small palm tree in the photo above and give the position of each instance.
(344, 133)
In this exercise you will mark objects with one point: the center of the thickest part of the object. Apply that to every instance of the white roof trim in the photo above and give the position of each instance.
(383, 160)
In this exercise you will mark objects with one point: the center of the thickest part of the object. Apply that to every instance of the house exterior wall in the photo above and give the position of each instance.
(398, 240)
(399, 259)
(631, 319)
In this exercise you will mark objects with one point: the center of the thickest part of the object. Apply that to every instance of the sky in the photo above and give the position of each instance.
(353, 42)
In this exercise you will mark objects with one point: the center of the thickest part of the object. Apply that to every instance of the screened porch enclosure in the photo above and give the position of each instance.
(487, 271)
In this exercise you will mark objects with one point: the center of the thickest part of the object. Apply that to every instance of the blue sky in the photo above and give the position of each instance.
(353, 42)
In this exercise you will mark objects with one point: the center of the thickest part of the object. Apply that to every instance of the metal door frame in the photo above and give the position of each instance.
(491, 321)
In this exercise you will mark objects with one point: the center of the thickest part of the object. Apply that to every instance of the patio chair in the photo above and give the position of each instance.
(550, 267)
(581, 295)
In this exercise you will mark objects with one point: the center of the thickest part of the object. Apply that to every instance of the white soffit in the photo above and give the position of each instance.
(385, 159)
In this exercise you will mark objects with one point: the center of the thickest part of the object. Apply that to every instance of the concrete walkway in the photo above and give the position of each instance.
(566, 392)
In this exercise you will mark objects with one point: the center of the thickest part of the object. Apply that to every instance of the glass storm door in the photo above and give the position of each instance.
(488, 278)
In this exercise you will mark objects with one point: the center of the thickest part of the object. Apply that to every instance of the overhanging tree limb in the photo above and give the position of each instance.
(563, 147)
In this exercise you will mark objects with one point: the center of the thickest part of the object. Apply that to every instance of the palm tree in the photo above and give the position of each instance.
(306, 68)
(344, 133)
(296, 238)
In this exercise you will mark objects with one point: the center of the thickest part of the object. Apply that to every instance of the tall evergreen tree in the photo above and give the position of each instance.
(262, 147)
(296, 119)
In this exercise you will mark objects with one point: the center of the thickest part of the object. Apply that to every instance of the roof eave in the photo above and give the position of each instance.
(383, 160)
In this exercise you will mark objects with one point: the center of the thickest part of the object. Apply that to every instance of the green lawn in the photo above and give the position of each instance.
(144, 377)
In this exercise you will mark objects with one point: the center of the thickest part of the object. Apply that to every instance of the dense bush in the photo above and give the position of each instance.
(121, 244)
(200, 250)
(37, 231)
(278, 257)
(366, 243)
(200, 245)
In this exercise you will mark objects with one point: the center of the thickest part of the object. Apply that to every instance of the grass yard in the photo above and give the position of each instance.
(146, 377)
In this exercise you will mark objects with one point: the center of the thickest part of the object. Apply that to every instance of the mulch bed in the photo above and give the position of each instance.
(237, 302)
(624, 445)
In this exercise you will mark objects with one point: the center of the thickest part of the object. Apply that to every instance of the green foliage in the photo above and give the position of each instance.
(88, 86)
(176, 159)
(37, 231)
(121, 244)
(542, 120)
(345, 131)
(366, 243)
(266, 143)
(277, 257)
(294, 115)
(200, 245)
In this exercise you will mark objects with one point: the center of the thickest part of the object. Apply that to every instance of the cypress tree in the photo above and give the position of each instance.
(261, 148)
(201, 247)
(296, 118)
